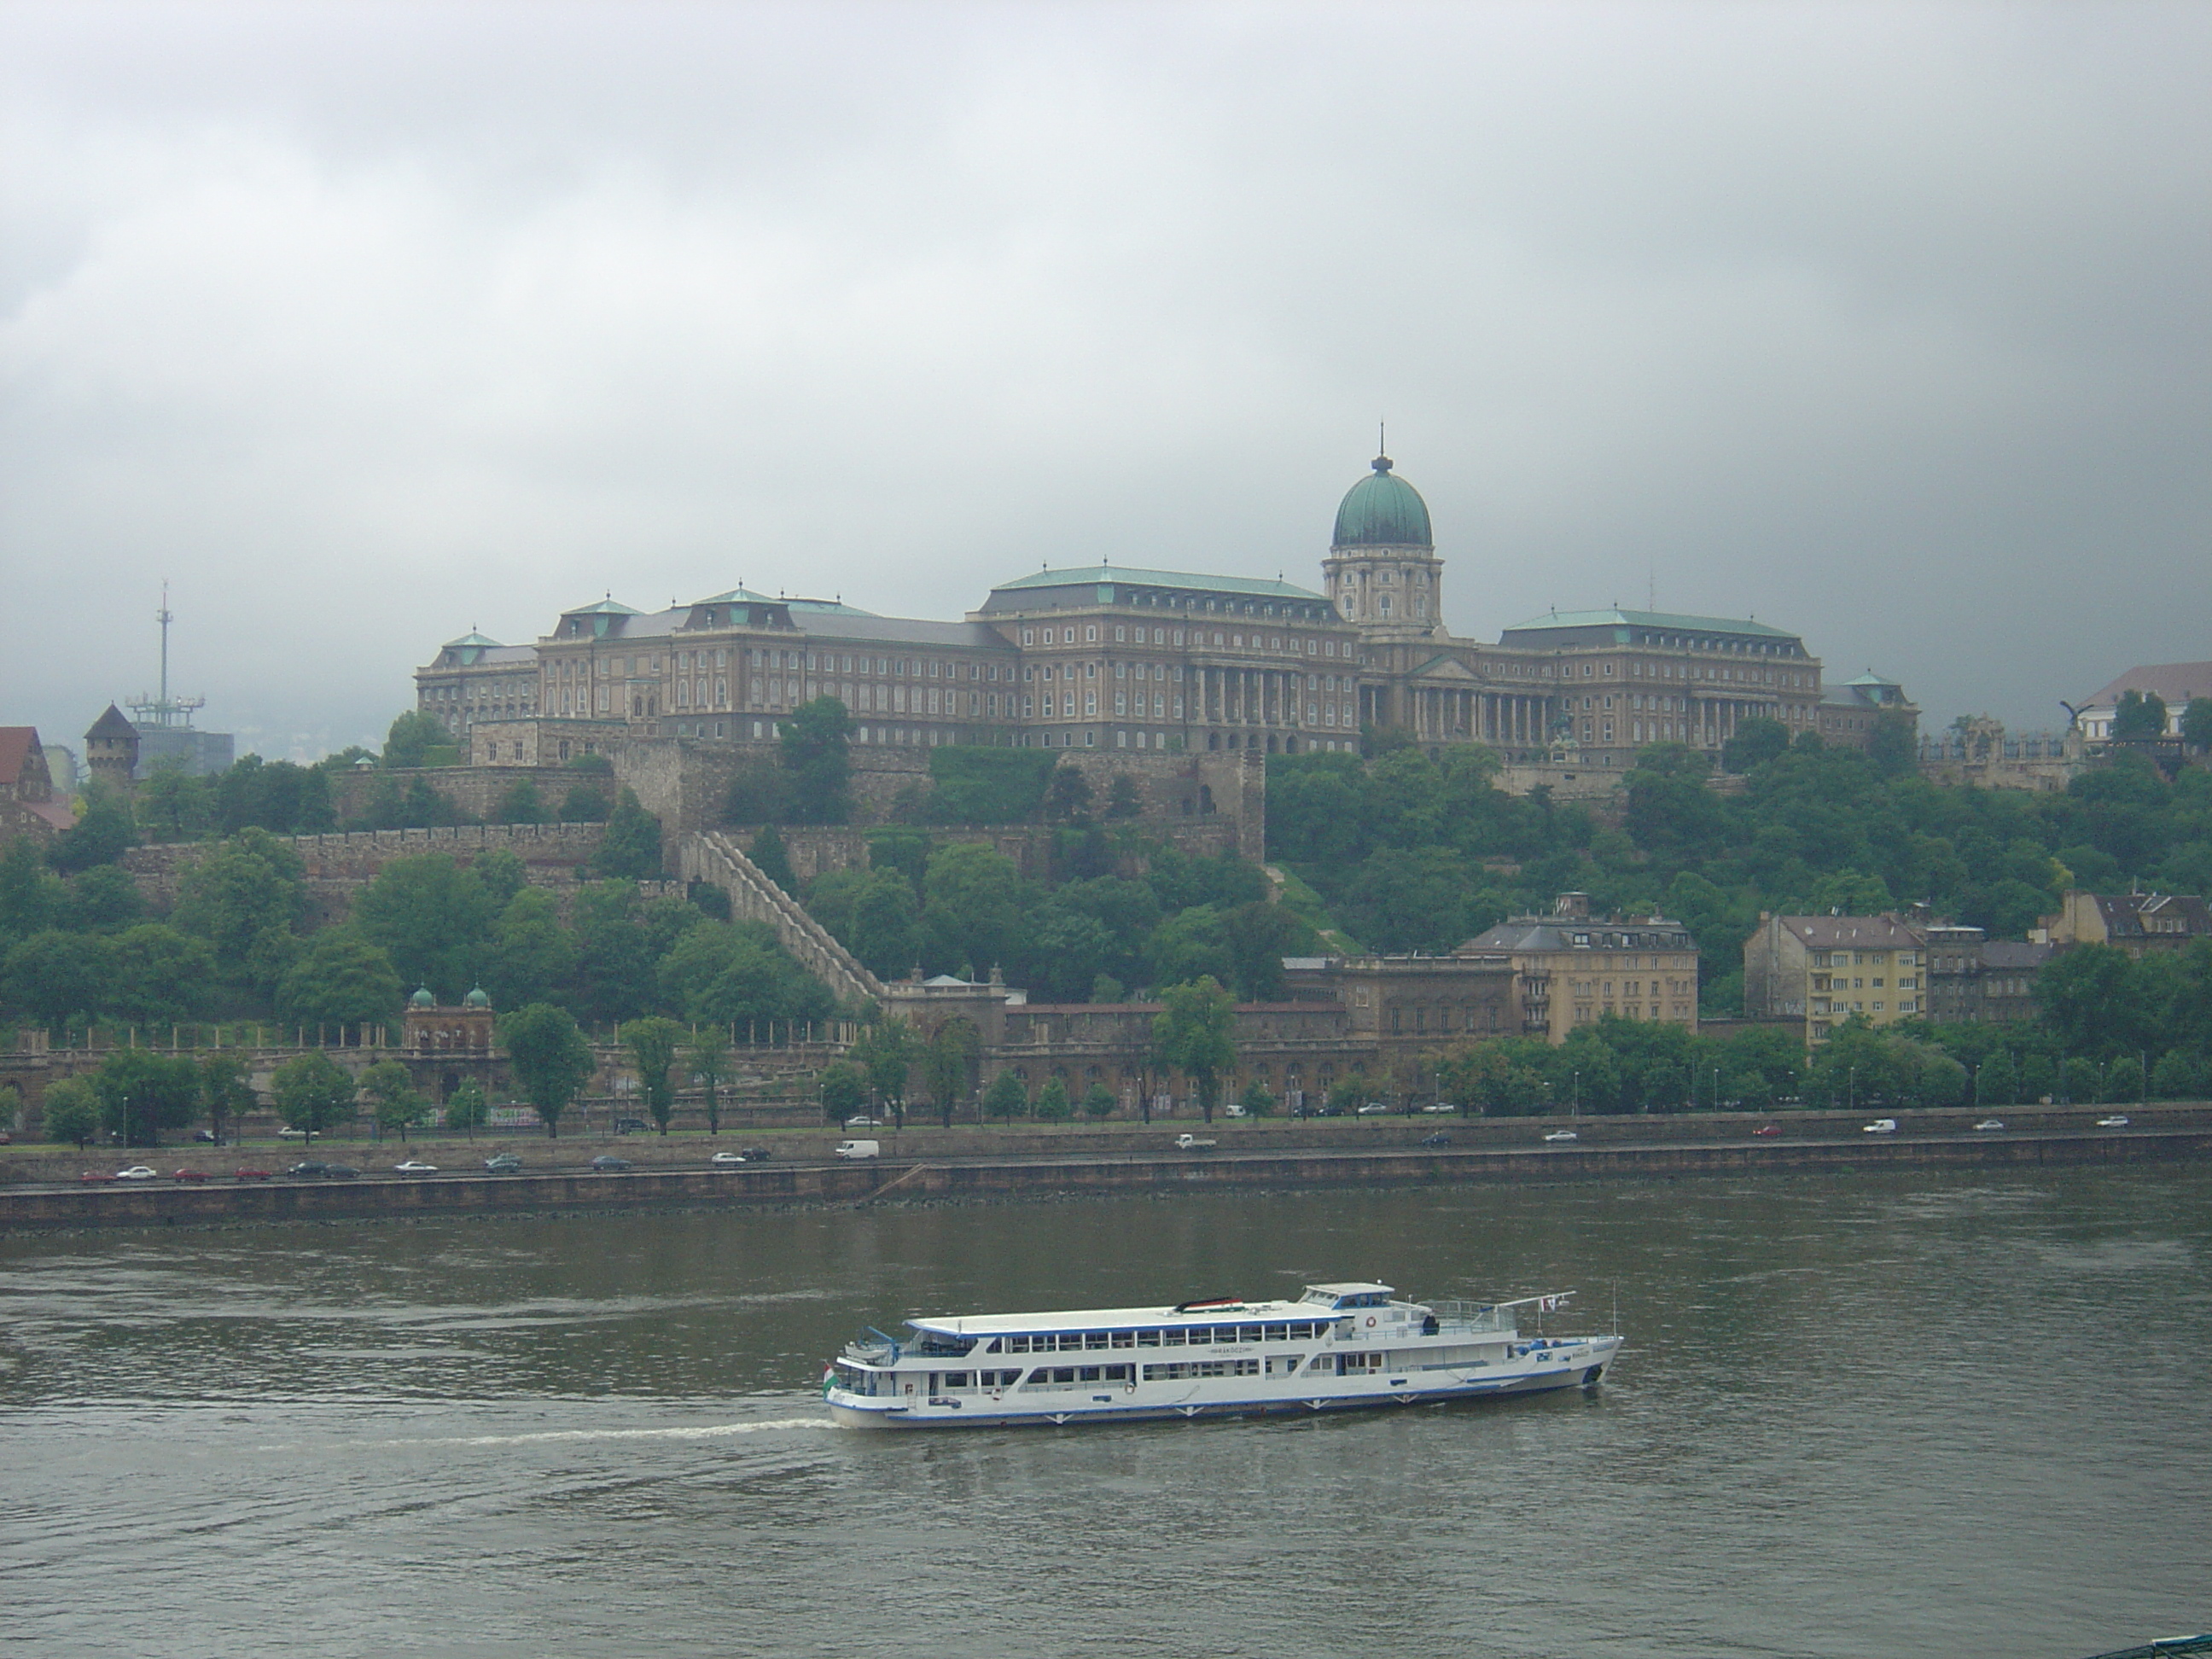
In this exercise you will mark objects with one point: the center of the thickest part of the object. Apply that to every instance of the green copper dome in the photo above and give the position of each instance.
(423, 999)
(1383, 510)
(476, 999)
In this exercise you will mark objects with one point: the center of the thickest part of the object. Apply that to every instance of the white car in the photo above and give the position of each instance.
(1991, 1123)
(1562, 1134)
(1373, 1109)
(414, 1166)
(135, 1172)
(2117, 1121)
(727, 1157)
(291, 1134)
(863, 1123)
(1442, 1109)
(1881, 1126)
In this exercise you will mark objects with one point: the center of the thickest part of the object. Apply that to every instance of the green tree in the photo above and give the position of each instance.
(1190, 945)
(1757, 740)
(652, 1043)
(432, 917)
(2196, 724)
(844, 1089)
(1052, 1105)
(530, 955)
(888, 1051)
(770, 859)
(2139, 716)
(246, 897)
(1195, 1033)
(102, 900)
(1123, 799)
(409, 738)
(312, 1093)
(549, 1059)
(72, 1111)
(887, 931)
(56, 977)
(707, 1062)
(974, 905)
(1098, 1102)
(631, 849)
(735, 974)
(30, 897)
(1007, 1097)
(466, 1109)
(158, 975)
(101, 835)
(393, 1100)
(1068, 796)
(2124, 1081)
(171, 805)
(225, 1094)
(2179, 1075)
(2095, 997)
(1257, 1100)
(949, 1062)
(521, 802)
(1892, 745)
(816, 737)
(341, 980)
(2079, 1083)
(586, 803)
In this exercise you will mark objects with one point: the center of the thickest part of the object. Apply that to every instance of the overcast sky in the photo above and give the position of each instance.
(366, 325)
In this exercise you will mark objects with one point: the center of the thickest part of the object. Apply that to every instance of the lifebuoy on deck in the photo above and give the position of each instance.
(1370, 1321)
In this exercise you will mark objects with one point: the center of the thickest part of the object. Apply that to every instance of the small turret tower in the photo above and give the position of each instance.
(111, 751)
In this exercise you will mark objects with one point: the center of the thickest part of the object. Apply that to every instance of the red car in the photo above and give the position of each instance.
(253, 1175)
(189, 1174)
(1768, 1129)
(96, 1175)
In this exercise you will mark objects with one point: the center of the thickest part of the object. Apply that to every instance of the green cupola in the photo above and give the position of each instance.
(1383, 510)
(476, 999)
(423, 999)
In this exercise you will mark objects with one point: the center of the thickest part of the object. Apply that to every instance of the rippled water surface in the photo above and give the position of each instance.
(1895, 1415)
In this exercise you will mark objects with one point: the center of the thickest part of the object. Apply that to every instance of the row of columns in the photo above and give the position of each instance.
(1510, 718)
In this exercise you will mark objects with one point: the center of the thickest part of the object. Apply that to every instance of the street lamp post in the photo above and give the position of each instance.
(1851, 1089)
(1575, 1110)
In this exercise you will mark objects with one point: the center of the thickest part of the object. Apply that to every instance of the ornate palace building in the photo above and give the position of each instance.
(1114, 657)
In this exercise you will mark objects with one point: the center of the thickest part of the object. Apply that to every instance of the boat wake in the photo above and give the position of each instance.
(693, 1431)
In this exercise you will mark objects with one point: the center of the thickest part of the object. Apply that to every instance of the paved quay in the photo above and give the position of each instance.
(1614, 1152)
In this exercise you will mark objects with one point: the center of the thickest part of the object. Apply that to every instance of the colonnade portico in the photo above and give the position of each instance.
(1456, 713)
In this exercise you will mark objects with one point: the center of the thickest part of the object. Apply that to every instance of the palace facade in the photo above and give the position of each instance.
(1124, 658)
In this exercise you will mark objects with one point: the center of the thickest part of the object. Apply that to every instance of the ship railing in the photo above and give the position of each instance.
(1472, 1315)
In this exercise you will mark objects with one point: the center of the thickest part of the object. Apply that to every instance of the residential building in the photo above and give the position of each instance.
(1108, 657)
(1406, 1006)
(1973, 980)
(2174, 683)
(30, 804)
(1570, 968)
(1823, 969)
(2134, 922)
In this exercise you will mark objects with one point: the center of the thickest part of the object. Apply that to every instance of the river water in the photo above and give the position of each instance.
(1894, 1414)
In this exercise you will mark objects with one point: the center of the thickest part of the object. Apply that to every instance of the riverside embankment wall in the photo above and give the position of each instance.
(1006, 1179)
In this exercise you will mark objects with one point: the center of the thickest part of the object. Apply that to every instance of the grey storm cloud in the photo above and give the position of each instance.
(366, 325)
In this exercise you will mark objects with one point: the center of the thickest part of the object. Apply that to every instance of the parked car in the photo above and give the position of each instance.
(309, 1170)
(1768, 1131)
(2117, 1121)
(291, 1134)
(414, 1166)
(503, 1163)
(1232, 1110)
(138, 1172)
(189, 1174)
(340, 1172)
(630, 1126)
(755, 1154)
(97, 1175)
(864, 1124)
(206, 1137)
(1440, 1109)
(726, 1160)
(1439, 1139)
(254, 1174)
(1991, 1123)
(1881, 1126)
(1374, 1108)
(608, 1162)
(1562, 1134)
(859, 1149)
(1328, 1111)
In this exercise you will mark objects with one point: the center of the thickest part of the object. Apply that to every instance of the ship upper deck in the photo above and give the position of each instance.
(1319, 1303)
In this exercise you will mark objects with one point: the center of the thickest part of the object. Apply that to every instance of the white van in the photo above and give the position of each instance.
(860, 1149)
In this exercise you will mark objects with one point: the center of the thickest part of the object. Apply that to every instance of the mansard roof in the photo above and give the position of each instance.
(1111, 576)
(1661, 620)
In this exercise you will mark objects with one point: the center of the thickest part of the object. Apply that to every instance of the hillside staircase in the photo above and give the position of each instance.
(715, 858)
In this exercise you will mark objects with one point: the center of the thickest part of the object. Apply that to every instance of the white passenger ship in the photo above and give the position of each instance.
(1337, 1346)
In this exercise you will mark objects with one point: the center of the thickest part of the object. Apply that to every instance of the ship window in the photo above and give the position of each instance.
(1200, 1336)
(1070, 1341)
(1249, 1333)
(956, 1379)
(1016, 1344)
(1093, 1339)
(1087, 1374)
(1279, 1334)
(1118, 1373)
(1125, 1339)
(1148, 1338)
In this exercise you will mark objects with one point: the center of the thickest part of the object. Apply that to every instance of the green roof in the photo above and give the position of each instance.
(1870, 679)
(738, 596)
(1129, 576)
(471, 638)
(604, 608)
(1383, 510)
(1665, 619)
(827, 608)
